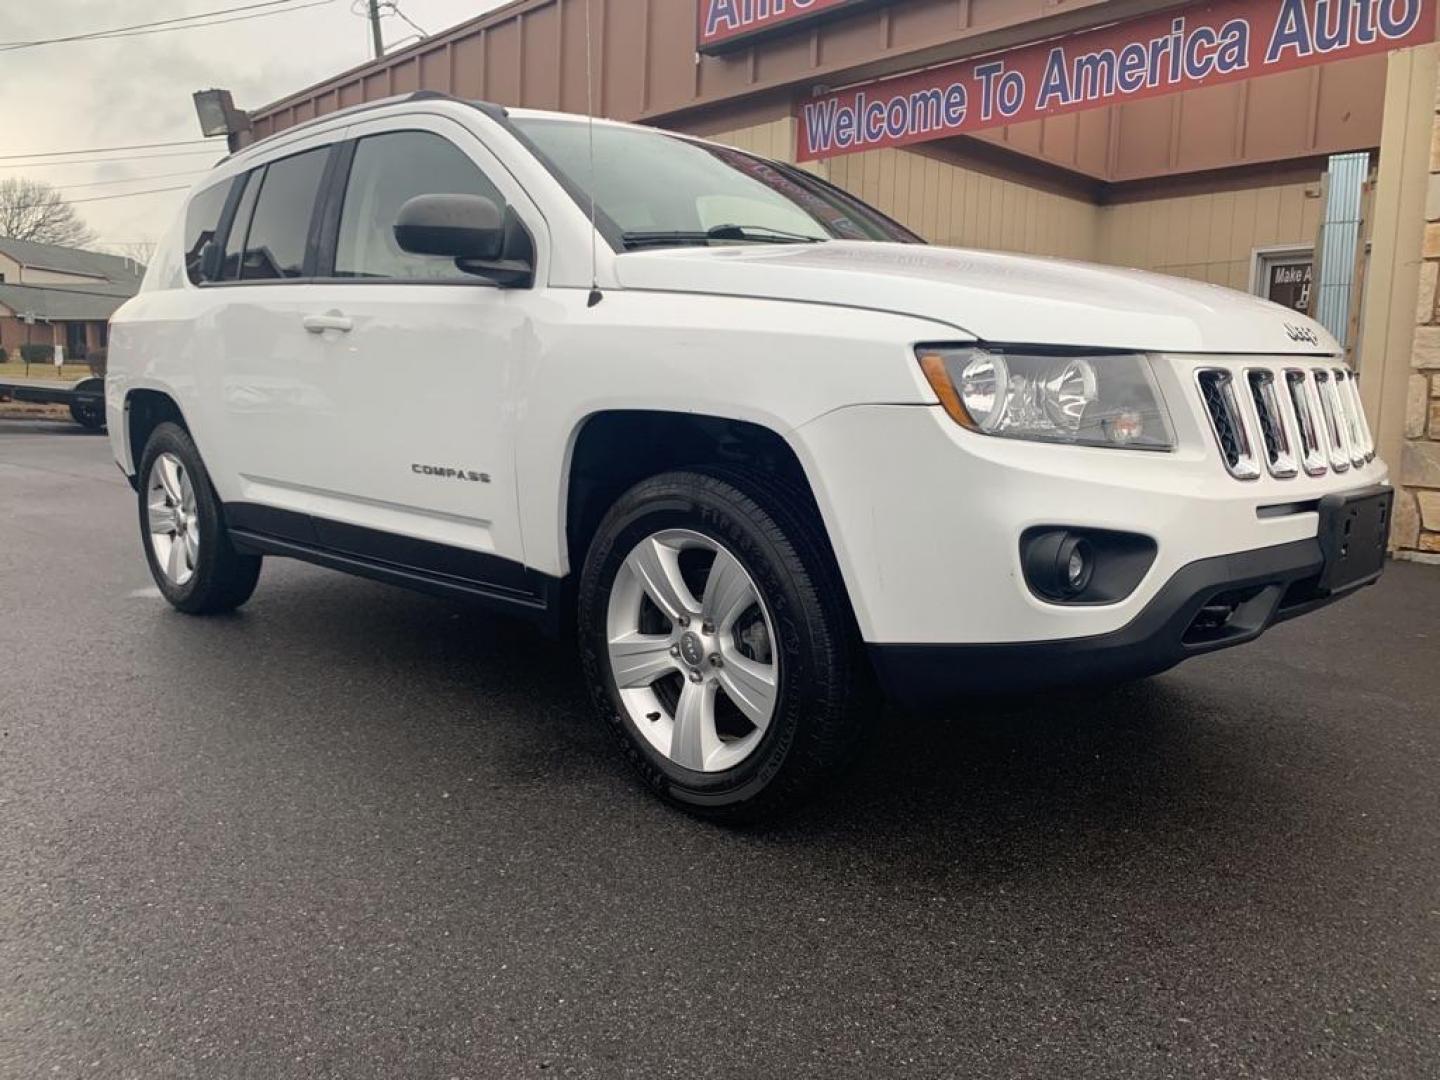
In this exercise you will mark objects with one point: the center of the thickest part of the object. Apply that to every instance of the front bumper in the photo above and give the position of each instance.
(926, 519)
(1186, 618)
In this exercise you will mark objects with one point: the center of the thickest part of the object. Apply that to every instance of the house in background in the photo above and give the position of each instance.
(69, 294)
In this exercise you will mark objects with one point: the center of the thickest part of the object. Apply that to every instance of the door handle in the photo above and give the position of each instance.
(331, 320)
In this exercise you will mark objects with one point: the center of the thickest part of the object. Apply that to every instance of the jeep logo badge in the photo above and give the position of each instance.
(692, 650)
(1302, 333)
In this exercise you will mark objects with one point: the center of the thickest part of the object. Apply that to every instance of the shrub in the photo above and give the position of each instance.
(96, 359)
(3, 355)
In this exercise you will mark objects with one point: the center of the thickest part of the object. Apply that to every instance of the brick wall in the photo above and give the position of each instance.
(13, 334)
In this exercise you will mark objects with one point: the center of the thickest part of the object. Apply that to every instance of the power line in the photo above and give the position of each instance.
(102, 149)
(165, 26)
(127, 180)
(107, 161)
(6, 46)
(130, 194)
(97, 198)
(138, 26)
(373, 10)
(395, 9)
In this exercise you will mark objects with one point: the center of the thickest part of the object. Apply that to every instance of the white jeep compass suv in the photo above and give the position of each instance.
(756, 441)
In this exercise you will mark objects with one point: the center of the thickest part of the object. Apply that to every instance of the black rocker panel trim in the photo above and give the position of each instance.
(268, 521)
(399, 560)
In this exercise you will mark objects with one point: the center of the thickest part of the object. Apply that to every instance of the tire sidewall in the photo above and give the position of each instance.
(706, 507)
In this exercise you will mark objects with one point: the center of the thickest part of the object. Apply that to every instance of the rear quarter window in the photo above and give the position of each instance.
(202, 220)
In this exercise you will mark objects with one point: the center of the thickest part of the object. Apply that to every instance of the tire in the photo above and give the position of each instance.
(89, 412)
(88, 416)
(198, 571)
(804, 657)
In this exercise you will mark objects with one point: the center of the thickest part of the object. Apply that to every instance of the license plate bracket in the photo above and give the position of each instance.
(1354, 533)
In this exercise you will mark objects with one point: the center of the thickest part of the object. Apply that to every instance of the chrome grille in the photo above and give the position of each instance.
(1227, 421)
(1296, 418)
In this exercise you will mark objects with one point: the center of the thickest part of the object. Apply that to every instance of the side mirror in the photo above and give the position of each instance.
(457, 226)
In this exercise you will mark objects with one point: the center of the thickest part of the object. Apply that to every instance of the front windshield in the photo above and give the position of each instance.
(653, 189)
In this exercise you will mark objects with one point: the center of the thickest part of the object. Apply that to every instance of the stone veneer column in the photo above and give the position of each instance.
(1419, 471)
(1399, 356)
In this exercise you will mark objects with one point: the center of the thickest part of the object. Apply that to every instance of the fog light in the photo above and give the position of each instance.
(1075, 564)
(1083, 565)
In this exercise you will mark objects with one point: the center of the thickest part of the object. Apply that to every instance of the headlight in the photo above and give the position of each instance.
(1087, 398)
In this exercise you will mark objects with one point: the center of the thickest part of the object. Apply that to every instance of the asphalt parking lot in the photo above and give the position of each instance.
(353, 832)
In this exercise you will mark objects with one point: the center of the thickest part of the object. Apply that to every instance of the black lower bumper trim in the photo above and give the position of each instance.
(1211, 604)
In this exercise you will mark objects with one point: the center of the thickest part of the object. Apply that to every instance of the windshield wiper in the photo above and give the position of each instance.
(755, 234)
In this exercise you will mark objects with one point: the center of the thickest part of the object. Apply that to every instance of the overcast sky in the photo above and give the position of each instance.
(137, 89)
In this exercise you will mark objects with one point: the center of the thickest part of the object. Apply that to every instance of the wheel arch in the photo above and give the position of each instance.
(614, 449)
(146, 409)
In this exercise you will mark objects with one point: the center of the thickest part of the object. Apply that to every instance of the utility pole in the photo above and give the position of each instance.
(375, 39)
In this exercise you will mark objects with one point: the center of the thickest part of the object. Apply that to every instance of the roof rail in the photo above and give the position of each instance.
(490, 109)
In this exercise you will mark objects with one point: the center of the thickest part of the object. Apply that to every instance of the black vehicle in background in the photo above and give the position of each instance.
(85, 397)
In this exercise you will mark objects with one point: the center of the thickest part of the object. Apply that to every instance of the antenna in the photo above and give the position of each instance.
(595, 294)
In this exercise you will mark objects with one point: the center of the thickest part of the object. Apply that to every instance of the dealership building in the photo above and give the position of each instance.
(1280, 147)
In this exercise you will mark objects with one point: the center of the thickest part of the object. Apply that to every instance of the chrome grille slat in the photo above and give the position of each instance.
(1227, 422)
(1305, 401)
(1275, 431)
(1361, 443)
(1338, 442)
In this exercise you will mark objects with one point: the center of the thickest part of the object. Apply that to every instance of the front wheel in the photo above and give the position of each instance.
(189, 551)
(718, 644)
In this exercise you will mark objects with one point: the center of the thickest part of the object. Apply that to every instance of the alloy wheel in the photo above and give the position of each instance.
(173, 519)
(693, 650)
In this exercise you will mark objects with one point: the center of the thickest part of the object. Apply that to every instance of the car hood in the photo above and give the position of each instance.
(1010, 299)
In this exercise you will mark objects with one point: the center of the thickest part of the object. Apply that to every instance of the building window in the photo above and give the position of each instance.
(75, 347)
(1285, 276)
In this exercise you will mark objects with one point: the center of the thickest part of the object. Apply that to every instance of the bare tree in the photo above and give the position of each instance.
(137, 251)
(33, 210)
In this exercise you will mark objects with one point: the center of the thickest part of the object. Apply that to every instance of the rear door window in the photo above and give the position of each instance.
(389, 170)
(202, 221)
(276, 240)
(235, 241)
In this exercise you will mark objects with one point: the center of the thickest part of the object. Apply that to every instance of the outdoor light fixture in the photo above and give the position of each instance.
(219, 116)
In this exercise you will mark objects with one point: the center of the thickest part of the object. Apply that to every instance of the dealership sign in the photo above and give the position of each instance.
(729, 23)
(1206, 45)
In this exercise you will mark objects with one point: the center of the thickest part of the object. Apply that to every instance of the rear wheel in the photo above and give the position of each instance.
(718, 645)
(89, 415)
(189, 551)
